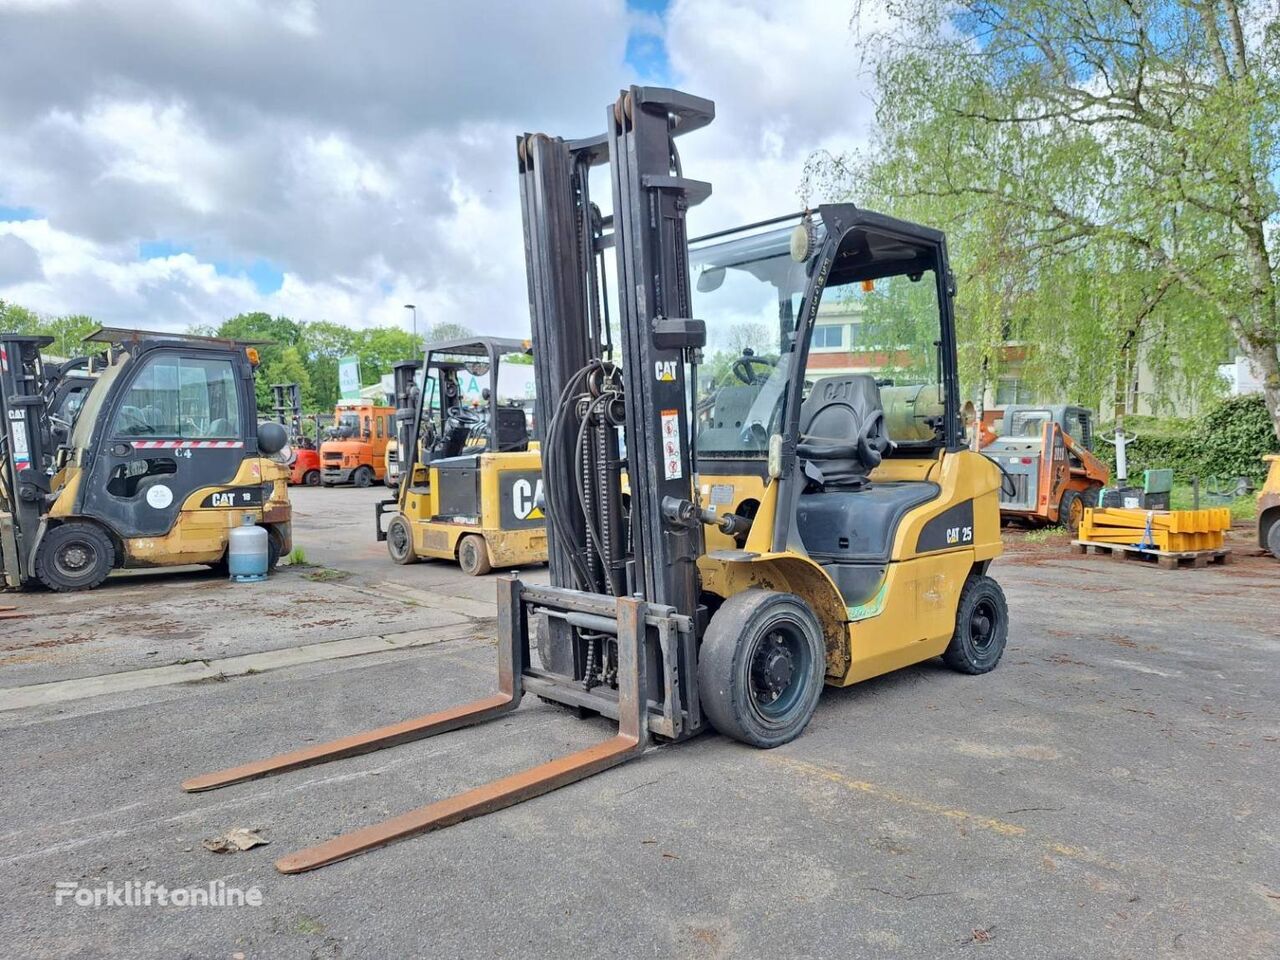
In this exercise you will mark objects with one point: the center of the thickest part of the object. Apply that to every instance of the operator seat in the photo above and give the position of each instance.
(845, 522)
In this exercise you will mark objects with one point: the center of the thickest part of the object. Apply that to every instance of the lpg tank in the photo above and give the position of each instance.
(247, 551)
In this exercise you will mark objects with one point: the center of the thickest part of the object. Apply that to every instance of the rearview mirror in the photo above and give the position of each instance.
(710, 279)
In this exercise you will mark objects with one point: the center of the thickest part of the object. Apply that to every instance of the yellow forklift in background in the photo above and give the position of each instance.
(470, 486)
(1269, 507)
(165, 458)
(787, 526)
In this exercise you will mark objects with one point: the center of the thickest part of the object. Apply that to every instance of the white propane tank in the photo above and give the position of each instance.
(247, 551)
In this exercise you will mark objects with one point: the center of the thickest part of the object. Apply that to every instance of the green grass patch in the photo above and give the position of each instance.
(297, 558)
(327, 575)
(1043, 534)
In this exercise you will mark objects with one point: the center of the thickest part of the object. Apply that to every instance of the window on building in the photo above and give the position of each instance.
(830, 336)
(181, 397)
(1012, 390)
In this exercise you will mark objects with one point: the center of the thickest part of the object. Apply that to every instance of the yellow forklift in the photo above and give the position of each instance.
(470, 486)
(165, 458)
(787, 524)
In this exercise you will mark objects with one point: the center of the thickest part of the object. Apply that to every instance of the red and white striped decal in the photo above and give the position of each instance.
(188, 444)
(4, 360)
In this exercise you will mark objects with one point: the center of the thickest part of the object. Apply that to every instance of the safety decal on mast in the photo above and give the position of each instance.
(21, 452)
(671, 445)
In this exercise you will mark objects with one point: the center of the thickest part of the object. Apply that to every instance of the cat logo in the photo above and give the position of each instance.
(525, 497)
(666, 371)
(244, 497)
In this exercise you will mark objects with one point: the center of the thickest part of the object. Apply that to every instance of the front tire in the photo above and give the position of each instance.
(1071, 511)
(473, 555)
(312, 478)
(363, 477)
(982, 627)
(74, 556)
(400, 541)
(760, 667)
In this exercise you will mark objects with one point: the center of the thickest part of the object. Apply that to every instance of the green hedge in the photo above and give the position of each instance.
(1228, 441)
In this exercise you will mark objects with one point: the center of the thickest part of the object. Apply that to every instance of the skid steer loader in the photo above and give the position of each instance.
(164, 459)
(792, 517)
(470, 484)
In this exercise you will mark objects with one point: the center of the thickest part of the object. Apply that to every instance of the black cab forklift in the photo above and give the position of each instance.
(812, 530)
(165, 457)
(470, 479)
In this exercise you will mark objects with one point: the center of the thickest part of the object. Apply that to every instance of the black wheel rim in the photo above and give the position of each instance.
(982, 625)
(75, 559)
(778, 672)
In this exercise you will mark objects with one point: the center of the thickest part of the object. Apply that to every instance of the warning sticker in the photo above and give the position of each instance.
(21, 452)
(671, 445)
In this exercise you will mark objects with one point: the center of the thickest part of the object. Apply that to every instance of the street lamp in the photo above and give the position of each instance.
(410, 306)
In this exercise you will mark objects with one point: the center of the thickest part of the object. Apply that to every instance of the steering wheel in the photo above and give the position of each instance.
(465, 417)
(744, 368)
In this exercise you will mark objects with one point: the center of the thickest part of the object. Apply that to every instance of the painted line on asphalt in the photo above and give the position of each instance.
(61, 691)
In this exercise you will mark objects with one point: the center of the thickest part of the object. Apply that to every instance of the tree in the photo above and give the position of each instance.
(1120, 156)
(380, 348)
(322, 345)
(446, 330)
(68, 332)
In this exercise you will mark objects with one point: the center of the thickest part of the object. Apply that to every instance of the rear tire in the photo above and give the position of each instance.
(400, 541)
(982, 627)
(473, 555)
(760, 667)
(1273, 539)
(1071, 510)
(74, 556)
(312, 478)
(363, 477)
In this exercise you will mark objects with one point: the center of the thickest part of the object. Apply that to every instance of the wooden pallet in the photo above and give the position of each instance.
(1166, 559)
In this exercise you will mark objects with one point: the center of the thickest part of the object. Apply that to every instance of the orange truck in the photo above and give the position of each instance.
(1050, 472)
(354, 450)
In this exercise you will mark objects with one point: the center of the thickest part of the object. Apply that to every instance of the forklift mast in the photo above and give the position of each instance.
(621, 617)
(287, 407)
(595, 545)
(404, 375)
(24, 482)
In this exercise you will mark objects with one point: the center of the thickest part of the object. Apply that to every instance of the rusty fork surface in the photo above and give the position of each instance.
(631, 740)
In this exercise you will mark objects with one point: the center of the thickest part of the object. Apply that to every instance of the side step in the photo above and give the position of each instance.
(513, 650)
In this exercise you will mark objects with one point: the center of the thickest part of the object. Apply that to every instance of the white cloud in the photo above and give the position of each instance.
(364, 149)
(787, 79)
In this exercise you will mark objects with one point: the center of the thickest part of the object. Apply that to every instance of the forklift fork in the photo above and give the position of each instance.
(513, 648)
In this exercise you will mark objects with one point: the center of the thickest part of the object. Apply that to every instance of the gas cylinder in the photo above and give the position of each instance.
(247, 551)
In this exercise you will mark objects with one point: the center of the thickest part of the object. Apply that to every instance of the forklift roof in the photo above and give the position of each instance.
(479, 345)
(124, 335)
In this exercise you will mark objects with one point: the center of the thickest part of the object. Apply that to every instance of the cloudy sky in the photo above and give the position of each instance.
(170, 162)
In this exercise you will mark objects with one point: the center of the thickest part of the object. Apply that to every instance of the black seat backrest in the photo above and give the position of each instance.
(842, 430)
(453, 442)
(511, 433)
